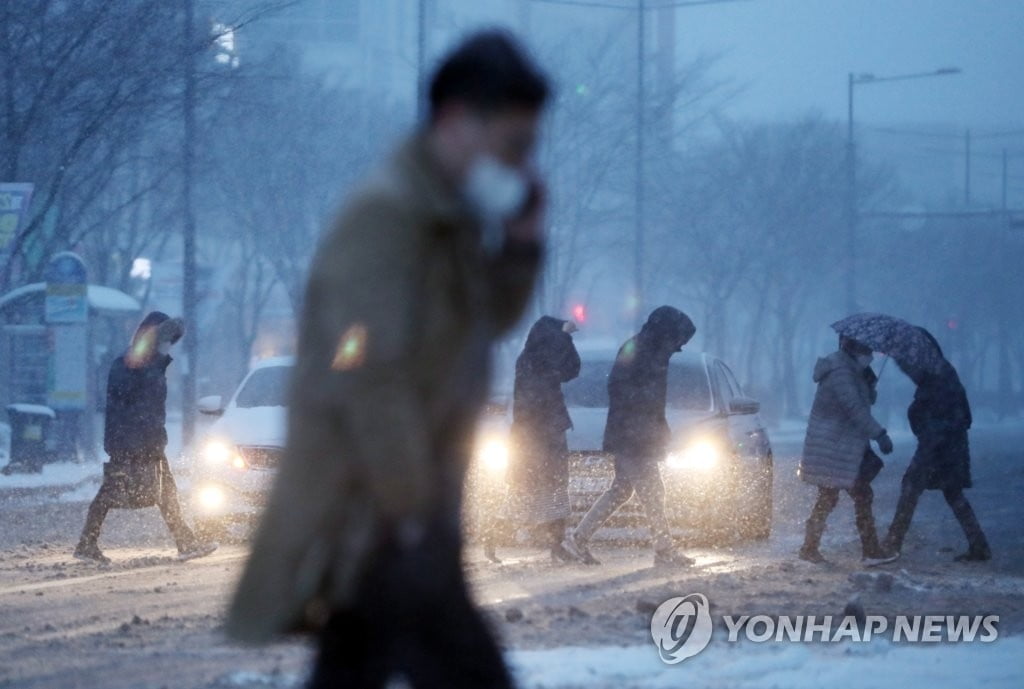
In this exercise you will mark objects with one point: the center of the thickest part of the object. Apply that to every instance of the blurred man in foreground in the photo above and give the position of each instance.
(430, 262)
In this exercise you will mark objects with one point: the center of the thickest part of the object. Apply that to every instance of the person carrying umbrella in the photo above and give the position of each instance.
(837, 454)
(940, 417)
(539, 472)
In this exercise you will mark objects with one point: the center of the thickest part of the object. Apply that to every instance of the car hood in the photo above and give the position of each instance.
(587, 433)
(256, 426)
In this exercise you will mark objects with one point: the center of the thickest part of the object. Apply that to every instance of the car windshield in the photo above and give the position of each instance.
(266, 387)
(687, 386)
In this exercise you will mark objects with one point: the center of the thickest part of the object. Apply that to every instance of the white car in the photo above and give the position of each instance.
(237, 458)
(718, 470)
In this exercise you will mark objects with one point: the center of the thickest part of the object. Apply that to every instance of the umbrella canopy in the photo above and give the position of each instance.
(911, 346)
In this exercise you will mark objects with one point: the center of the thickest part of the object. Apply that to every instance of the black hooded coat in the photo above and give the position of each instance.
(940, 417)
(539, 469)
(636, 428)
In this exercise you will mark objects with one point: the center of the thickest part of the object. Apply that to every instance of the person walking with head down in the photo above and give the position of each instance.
(134, 436)
(539, 472)
(429, 263)
(837, 454)
(637, 434)
(940, 417)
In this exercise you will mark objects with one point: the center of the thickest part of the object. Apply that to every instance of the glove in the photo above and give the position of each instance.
(884, 443)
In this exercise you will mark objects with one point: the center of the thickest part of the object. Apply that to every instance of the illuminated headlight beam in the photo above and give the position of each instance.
(493, 454)
(699, 455)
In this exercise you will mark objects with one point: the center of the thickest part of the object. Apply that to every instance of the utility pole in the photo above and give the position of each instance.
(188, 297)
(638, 197)
(852, 213)
(851, 203)
(421, 56)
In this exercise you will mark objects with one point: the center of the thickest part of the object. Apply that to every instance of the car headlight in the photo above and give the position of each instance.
(493, 454)
(221, 454)
(216, 452)
(700, 455)
(211, 498)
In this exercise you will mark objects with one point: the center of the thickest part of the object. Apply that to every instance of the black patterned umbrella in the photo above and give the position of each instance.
(910, 346)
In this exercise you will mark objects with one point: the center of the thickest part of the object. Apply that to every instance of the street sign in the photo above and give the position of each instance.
(66, 310)
(14, 202)
(66, 290)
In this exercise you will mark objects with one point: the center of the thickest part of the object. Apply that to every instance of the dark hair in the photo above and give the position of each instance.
(488, 71)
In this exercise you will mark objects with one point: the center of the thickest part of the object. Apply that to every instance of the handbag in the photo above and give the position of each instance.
(134, 482)
(870, 465)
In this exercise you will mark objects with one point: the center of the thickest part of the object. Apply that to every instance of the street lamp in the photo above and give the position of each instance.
(851, 170)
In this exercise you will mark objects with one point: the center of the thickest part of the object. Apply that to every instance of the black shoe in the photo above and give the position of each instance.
(197, 550)
(578, 551)
(672, 556)
(812, 555)
(90, 552)
(980, 554)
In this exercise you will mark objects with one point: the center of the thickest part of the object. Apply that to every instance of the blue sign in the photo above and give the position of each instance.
(66, 289)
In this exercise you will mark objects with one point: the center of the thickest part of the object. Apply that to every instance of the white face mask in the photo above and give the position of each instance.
(864, 360)
(496, 190)
(164, 348)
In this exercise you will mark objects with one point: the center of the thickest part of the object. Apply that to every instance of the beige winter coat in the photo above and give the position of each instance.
(841, 424)
(400, 312)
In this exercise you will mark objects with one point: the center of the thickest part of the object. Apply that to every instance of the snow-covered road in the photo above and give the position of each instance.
(149, 621)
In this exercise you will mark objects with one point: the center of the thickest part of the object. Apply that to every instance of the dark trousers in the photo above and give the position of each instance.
(914, 483)
(828, 498)
(412, 617)
(632, 475)
(109, 498)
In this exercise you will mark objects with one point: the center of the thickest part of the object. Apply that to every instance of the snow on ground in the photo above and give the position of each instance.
(875, 665)
(786, 666)
(56, 474)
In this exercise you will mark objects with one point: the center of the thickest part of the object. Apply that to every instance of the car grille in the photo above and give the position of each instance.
(260, 457)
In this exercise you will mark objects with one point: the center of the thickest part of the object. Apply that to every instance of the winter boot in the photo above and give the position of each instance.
(196, 550)
(810, 553)
(89, 551)
(976, 553)
(578, 550)
(880, 557)
(672, 557)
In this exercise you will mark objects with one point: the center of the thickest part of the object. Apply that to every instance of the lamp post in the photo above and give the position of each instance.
(851, 170)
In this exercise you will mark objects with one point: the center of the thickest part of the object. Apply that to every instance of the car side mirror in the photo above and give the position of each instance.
(744, 406)
(212, 405)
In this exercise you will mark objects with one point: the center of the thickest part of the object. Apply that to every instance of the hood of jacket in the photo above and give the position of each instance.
(666, 329)
(831, 362)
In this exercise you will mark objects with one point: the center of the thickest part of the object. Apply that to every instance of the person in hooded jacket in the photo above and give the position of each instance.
(940, 417)
(837, 453)
(637, 433)
(539, 471)
(135, 436)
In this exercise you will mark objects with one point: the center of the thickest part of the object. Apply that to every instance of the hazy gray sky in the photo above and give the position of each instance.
(794, 55)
